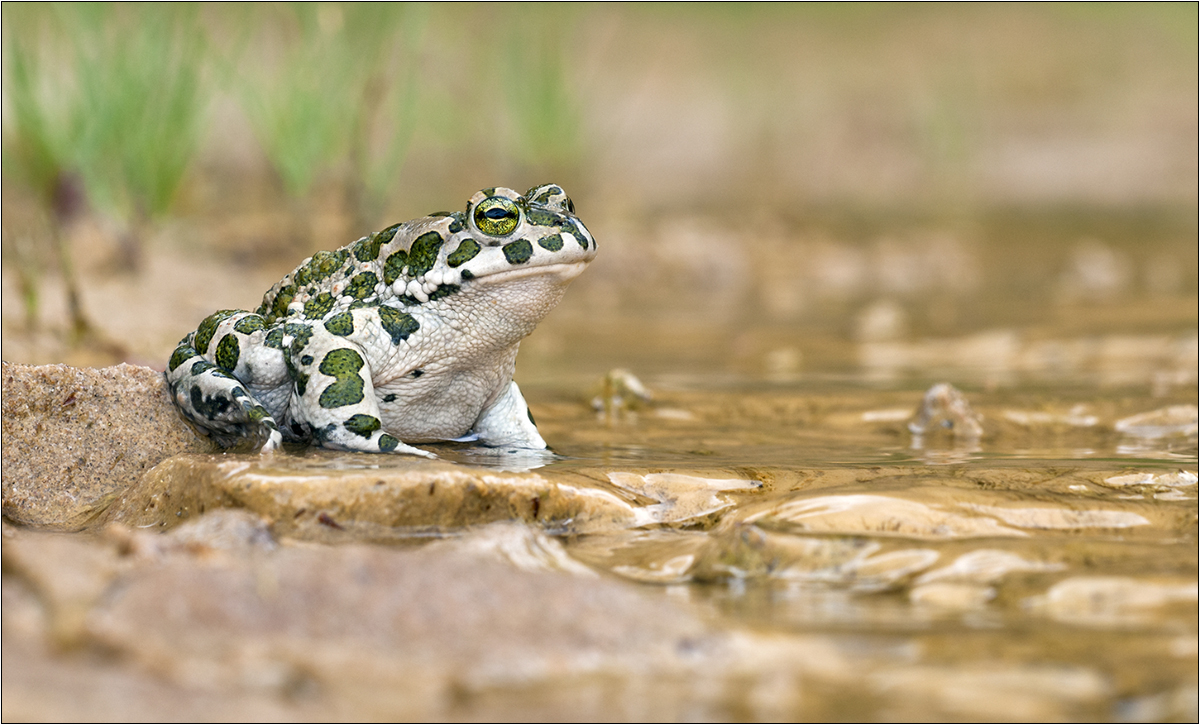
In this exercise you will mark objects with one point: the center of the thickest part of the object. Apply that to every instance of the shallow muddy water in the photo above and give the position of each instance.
(1040, 565)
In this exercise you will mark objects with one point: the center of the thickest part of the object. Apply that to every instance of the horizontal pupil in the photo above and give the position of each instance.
(498, 213)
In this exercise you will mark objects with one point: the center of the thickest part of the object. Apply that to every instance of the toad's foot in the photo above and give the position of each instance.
(218, 404)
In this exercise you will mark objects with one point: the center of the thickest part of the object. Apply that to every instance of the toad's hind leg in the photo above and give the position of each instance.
(204, 387)
(334, 393)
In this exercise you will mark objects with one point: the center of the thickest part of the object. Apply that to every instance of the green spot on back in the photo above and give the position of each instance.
(318, 306)
(228, 352)
(388, 234)
(362, 285)
(342, 365)
(277, 307)
(249, 324)
(397, 324)
(341, 324)
(180, 356)
(465, 253)
(422, 255)
(208, 328)
(394, 266)
(362, 249)
(518, 252)
(274, 338)
(324, 264)
(202, 366)
(367, 248)
(300, 333)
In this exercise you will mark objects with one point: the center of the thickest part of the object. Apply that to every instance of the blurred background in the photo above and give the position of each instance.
(999, 192)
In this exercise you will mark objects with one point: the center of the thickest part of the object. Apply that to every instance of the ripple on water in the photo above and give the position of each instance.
(679, 497)
(1061, 518)
(1175, 420)
(1107, 601)
(1177, 478)
(965, 583)
(986, 566)
(997, 691)
(874, 515)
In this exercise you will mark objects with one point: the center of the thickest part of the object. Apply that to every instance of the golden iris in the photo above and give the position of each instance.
(497, 216)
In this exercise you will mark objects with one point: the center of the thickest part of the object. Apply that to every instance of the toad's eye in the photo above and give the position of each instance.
(497, 216)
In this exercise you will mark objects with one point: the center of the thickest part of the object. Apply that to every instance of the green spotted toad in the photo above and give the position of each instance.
(407, 335)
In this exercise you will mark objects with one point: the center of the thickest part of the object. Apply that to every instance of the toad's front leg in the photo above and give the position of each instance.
(335, 396)
(508, 422)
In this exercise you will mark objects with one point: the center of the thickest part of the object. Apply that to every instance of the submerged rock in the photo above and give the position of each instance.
(945, 408)
(680, 497)
(1111, 600)
(86, 448)
(868, 514)
(329, 496)
(618, 393)
(345, 633)
(1077, 417)
(1175, 420)
(1162, 480)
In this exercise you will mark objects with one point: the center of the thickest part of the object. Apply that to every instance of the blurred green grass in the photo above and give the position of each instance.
(118, 95)
(138, 75)
(325, 85)
(352, 91)
(215, 115)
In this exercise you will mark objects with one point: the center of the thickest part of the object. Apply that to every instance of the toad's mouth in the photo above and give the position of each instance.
(564, 271)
